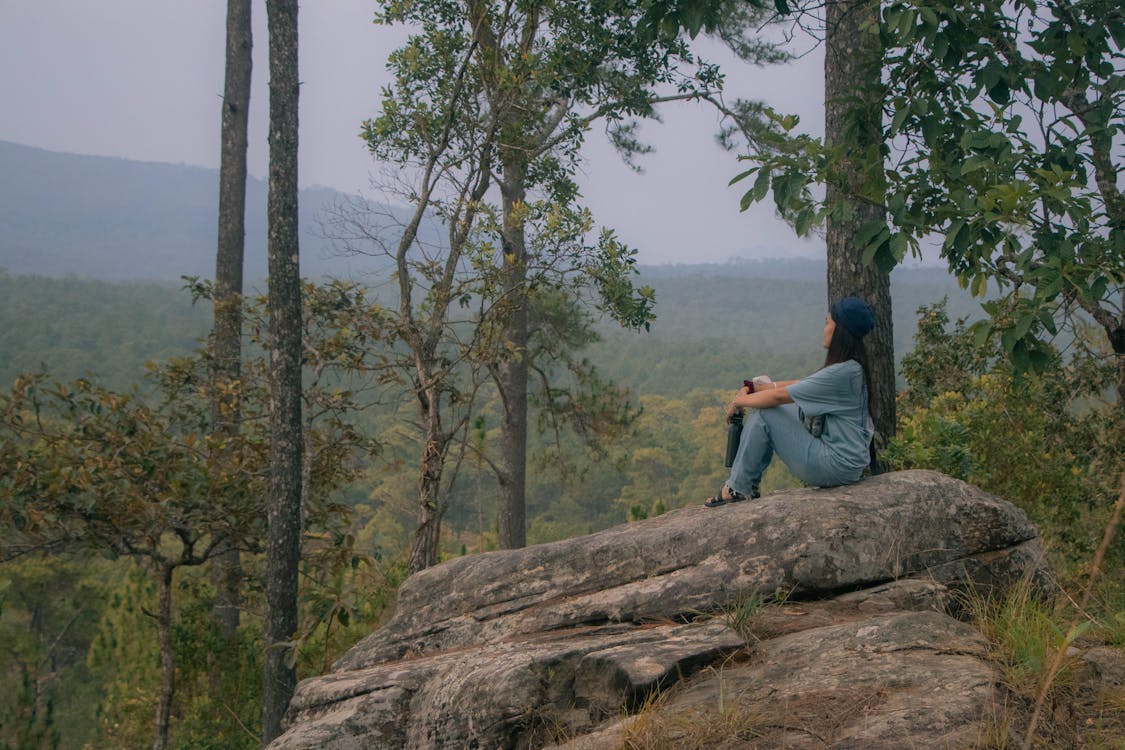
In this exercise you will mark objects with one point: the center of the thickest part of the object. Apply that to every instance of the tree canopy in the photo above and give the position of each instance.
(1005, 123)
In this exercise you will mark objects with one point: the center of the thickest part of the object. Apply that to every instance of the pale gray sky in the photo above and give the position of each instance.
(142, 79)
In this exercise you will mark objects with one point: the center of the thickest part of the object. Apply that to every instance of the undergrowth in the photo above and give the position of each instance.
(1052, 697)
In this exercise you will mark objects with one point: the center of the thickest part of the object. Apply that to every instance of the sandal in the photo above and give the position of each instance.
(717, 500)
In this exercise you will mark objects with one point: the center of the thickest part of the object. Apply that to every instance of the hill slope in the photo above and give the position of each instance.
(118, 220)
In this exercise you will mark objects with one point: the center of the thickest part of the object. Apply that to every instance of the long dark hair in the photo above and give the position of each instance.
(842, 347)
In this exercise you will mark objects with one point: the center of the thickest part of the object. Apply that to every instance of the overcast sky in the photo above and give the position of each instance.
(142, 79)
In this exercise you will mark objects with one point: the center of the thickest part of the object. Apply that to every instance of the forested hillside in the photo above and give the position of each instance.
(718, 324)
(714, 323)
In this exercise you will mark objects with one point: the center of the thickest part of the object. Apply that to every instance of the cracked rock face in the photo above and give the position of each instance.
(521, 648)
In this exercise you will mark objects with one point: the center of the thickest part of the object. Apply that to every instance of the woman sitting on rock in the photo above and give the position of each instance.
(819, 426)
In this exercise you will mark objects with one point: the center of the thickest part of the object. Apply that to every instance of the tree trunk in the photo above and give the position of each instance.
(226, 570)
(854, 126)
(1117, 344)
(284, 502)
(167, 661)
(512, 369)
(425, 545)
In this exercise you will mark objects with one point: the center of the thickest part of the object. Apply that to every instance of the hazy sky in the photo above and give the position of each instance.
(142, 79)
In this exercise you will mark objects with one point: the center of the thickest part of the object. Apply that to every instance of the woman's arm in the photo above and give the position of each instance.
(784, 383)
(764, 399)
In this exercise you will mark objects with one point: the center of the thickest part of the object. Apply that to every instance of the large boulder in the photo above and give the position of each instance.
(521, 648)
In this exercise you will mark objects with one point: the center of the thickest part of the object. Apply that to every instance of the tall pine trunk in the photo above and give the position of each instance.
(853, 124)
(512, 370)
(283, 549)
(226, 571)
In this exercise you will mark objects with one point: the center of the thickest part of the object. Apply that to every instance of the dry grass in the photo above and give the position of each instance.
(733, 722)
(698, 728)
(1053, 698)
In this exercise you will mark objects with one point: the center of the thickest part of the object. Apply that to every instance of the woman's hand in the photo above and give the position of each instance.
(732, 407)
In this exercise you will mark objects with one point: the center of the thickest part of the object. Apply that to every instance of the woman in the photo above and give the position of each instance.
(819, 426)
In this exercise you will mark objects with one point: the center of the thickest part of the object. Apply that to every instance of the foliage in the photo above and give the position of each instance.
(1042, 441)
(1004, 117)
(227, 715)
(103, 471)
(500, 95)
(49, 609)
(345, 595)
(125, 658)
(29, 722)
(1001, 120)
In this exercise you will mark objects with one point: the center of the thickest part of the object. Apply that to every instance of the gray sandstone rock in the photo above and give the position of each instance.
(518, 648)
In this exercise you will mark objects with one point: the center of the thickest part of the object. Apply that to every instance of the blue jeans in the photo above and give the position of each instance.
(779, 430)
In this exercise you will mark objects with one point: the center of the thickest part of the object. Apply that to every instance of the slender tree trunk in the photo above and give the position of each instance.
(283, 548)
(852, 60)
(512, 370)
(226, 570)
(167, 661)
(425, 545)
(1115, 333)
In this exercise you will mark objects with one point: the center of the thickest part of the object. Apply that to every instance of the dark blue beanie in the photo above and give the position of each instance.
(855, 315)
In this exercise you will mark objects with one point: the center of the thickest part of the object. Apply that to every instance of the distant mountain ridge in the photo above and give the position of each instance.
(113, 219)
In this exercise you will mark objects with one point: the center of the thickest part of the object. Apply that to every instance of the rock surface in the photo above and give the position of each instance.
(522, 648)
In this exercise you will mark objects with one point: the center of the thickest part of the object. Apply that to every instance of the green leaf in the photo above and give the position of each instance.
(941, 46)
(1079, 629)
(869, 231)
(1000, 92)
(981, 331)
(1076, 44)
(907, 26)
(693, 17)
(742, 175)
(869, 254)
(980, 285)
(891, 17)
(899, 117)
(1021, 358)
(1040, 358)
(758, 192)
(931, 127)
(782, 187)
(899, 247)
(1048, 321)
(1117, 31)
(972, 164)
(804, 221)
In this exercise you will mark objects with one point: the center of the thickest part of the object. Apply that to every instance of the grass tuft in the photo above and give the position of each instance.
(700, 728)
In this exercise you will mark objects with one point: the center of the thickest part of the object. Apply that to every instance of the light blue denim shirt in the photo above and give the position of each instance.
(839, 394)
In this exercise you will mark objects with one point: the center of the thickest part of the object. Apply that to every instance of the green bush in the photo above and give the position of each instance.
(1046, 442)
